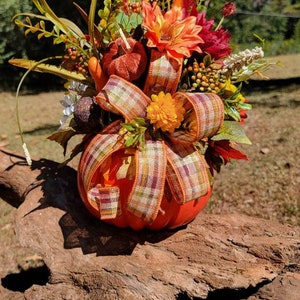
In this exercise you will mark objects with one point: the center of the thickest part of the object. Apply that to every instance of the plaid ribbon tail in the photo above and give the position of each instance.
(100, 148)
(107, 200)
(186, 173)
(123, 97)
(163, 75)
(148, 188)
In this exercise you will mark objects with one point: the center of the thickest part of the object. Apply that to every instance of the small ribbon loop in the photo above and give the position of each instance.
(163, 75)
(205, 116)
(186, 173)
(107, 200)
(100, 148)
(148, 188)
(124, 97)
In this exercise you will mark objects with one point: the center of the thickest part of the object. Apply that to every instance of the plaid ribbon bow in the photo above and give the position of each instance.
(174, 162)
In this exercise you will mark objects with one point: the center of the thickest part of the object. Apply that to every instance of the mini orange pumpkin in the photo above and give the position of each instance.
(127, 60)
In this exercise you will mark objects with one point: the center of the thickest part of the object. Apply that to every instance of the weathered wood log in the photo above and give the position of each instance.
(214, 257)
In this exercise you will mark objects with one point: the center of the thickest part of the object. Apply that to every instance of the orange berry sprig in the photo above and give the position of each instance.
(204, 79)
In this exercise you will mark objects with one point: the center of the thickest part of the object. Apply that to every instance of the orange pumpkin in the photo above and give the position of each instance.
(171, 215)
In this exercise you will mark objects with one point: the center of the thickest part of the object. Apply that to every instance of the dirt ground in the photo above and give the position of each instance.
(267, 185)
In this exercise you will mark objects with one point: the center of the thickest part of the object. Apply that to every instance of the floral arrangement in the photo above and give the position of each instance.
(155, 91)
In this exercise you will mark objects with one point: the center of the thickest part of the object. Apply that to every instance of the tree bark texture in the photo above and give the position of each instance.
(213, 257)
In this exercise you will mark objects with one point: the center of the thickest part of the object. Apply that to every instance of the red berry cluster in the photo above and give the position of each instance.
(131, 7)
(75, 61)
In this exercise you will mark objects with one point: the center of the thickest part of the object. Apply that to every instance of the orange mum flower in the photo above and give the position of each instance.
(165, 112)
(169, 32)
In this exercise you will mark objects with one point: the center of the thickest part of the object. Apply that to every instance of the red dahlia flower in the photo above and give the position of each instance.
(216, 42)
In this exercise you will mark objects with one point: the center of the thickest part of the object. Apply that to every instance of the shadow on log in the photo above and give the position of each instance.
(55, 187)
(214, 257)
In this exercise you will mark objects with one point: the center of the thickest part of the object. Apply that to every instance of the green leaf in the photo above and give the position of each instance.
(140, 122)
(232, 112)
(128, 127)
(62, 137)
(27, 31)
(91, 25)
(129, 141)
(236, 93)
(246, 106)
(56, 29)
(45, 10)
(232, 131)
(42, 24)
(78, 148)
(72, 27)
(135, 132)
(207, 60)
(40, 35)
(127, 22)
(28, 20)
(85, 17)
(46, 68)
(19, 23)
(58, 40)
(49, 34)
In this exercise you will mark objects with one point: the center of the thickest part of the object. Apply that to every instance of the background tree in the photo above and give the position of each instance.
(275, 21)
(14, 44)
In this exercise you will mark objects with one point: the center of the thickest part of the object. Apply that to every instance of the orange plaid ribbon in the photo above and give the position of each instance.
(163, 75)
(175, 161)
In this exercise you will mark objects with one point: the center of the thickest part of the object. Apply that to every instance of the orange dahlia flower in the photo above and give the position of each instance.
(169, 32)
(165, 112)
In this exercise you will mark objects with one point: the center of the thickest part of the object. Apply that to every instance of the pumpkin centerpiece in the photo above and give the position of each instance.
(153, 90)
(131, 171)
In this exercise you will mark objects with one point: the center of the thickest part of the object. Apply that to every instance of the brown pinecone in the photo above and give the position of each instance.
(87, 115)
